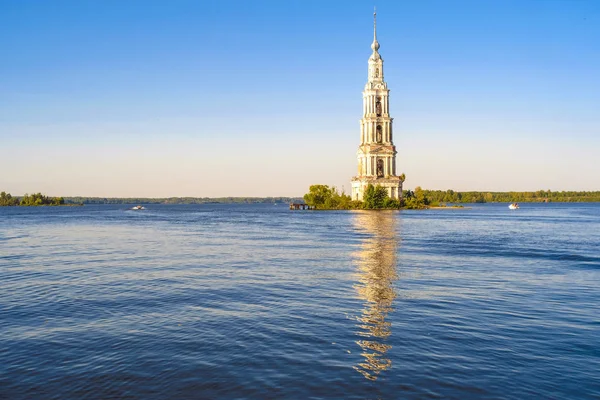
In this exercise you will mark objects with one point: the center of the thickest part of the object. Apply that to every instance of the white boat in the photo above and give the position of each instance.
(513, 206)
(138, 208)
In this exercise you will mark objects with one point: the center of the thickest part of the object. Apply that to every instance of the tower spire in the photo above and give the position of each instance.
(375, 45)
(374, 24)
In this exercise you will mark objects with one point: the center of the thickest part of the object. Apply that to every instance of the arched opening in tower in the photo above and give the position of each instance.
(380, 168)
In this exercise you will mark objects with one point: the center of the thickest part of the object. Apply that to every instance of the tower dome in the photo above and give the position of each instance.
(375, 45)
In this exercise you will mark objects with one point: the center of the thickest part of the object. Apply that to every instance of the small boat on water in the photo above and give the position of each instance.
(514, 206)
(138, 208)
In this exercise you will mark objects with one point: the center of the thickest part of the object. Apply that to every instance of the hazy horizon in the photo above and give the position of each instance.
(240, 99)
(280, 196)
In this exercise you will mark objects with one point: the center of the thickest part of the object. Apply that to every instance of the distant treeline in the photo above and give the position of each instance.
(375, 197)
(432, 196)
(36, 199)
(450, 196)
(180, 200)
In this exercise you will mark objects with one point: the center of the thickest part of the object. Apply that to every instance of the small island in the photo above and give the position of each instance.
(31, 200)
(323, 197)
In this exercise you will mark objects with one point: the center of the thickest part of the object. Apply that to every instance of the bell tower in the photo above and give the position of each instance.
(376, 153)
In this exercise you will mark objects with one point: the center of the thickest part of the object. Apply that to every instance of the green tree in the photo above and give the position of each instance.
(391, 203)
(420, 196)
(325, 197)
(417, 200)
(7, 200)
(318, 195)
(374, 197)
(38, 199)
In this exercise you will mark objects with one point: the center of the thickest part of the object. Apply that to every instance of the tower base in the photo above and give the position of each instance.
(392, 184)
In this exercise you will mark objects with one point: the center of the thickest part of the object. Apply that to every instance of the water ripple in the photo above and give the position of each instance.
(256, 301)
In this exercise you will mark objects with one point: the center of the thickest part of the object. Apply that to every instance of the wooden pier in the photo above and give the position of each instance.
(301, 206)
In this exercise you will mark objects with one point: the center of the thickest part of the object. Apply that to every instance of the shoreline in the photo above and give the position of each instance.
(43, 205)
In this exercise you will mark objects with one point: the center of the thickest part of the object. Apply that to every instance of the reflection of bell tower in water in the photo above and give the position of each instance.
(376, 264)
(376, 153)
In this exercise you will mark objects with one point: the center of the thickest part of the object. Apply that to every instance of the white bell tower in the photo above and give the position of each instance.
(376, 153)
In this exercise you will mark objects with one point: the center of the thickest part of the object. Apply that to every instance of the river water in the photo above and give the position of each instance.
(257, 301)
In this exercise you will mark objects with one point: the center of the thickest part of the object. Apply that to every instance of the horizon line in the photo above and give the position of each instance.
(297, 196)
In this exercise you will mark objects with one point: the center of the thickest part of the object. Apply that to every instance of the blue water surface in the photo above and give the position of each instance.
(256, 301)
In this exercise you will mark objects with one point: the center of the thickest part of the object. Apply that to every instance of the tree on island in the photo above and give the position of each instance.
(376, 198)
(7, 200)
(36, 199)
(416, 200)
(327, 198)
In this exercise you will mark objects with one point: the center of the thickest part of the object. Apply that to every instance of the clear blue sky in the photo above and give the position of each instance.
(241, 98)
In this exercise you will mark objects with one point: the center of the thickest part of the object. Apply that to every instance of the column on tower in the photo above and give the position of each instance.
(372, 104)
(385, 130)
(374, 131)
(388, 130)
(362, 137)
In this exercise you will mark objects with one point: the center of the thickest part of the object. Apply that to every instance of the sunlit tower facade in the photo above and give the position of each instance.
(376, 153)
